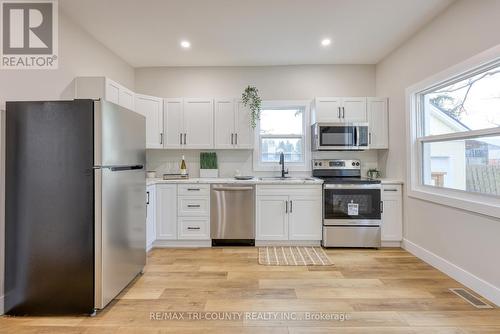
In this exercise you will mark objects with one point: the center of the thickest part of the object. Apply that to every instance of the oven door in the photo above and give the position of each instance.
(334, 136)
(352, 204)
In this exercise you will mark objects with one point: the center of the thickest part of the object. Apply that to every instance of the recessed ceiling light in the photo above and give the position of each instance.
(326, 42)
(185, 44)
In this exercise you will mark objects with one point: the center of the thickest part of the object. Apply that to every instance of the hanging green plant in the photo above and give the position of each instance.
(251, 99)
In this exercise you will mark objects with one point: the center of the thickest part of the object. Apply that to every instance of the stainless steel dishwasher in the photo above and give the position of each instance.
(232, 214)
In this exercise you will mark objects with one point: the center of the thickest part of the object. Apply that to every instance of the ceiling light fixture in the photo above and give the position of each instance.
(326, 42)
(185, 44)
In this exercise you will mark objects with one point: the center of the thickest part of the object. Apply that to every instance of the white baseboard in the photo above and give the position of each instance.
(287, 243)
(181, 243)
(478, 285)
(396, 244)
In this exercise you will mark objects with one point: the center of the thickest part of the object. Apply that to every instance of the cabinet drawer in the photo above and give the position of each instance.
(391, 190)
(194, 228)
(194, 189)
(193, 206)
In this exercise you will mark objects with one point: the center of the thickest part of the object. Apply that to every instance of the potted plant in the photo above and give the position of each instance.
(251, 99)
(208, 165)
(373, 173)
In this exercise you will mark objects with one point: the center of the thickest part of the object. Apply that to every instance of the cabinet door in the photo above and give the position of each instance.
(224, 123)
(354, 109)
(112, 91)
(378, 120)
(172, 123)
(244, 132)
(392, 216)
(272, 218)
(126, 98)
(152, 108)
(150, 216)
(327, 109)
(166, 211)
(198, 123)
(305, 218)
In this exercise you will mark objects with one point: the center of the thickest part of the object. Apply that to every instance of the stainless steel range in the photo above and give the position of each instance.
(352, 205)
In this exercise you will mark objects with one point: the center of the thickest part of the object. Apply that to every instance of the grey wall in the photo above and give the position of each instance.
(465, 29)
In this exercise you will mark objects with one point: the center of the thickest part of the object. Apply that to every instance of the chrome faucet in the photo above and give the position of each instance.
(282, 163)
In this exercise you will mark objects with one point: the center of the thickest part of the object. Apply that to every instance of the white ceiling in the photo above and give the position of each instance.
(251, 32)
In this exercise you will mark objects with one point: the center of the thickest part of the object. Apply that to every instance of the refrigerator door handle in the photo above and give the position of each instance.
(122, 168)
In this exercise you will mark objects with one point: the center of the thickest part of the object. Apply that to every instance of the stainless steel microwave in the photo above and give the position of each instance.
(339, 136)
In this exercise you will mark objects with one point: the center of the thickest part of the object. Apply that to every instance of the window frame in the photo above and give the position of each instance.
(485, 204)
(303, 166)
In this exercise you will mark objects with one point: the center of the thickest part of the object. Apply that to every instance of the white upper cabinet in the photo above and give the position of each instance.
(232, 125)
(104, 88)
(152, 108)
(188, 123)
(198, 123)
(378, 118)
(244, 133)
(126, 98)
(224, 123)
(327, 109)
(339, 109)
(354, 109)
(173, 123)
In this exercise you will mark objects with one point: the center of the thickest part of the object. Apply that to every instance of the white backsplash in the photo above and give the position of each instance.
(229, 161)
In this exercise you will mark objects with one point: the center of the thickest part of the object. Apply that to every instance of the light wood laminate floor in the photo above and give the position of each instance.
(378, 291)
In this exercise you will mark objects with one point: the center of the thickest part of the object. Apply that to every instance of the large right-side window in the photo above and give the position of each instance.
(458, 132)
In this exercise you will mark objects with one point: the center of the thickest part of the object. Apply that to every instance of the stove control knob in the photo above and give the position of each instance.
(357, 163)
(353, 163)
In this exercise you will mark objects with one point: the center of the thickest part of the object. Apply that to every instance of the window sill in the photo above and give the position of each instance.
(475, 203)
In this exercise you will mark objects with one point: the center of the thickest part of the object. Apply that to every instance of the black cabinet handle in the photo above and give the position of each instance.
(193, 205)
(147, 194)
(236, 139)
(232, 138)
(390, 190)
(193, 228)
(185, 139)
(180, 138)
(291, 206)
(193, 189)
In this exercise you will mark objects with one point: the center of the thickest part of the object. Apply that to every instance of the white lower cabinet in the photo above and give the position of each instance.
(392, 215)
(166, 211)
(289, 213)
(178, 212)
(272, 218)
(150, 216)
(305, 213)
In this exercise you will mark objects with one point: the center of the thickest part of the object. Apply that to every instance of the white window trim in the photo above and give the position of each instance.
(478, 203)
(304, 166)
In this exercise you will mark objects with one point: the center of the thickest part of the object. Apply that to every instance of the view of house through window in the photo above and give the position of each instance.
(464, 158)
(282, 130)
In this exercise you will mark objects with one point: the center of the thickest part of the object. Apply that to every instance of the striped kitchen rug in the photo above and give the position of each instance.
(293, 256)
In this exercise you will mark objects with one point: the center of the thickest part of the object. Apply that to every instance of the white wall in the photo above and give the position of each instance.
(273, 82)
(79, 55)
(468, 241)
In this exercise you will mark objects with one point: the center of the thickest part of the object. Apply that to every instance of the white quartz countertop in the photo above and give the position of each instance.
(391, 181)
(257, 180)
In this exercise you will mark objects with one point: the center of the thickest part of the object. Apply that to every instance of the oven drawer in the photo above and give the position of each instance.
(351, 236)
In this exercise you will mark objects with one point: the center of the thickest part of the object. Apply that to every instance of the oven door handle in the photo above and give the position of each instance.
(381, 206)
(352, 186)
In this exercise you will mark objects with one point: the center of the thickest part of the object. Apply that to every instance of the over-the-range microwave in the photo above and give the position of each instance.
(340, 136)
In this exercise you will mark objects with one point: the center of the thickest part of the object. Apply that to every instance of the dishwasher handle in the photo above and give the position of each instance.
(233, 189)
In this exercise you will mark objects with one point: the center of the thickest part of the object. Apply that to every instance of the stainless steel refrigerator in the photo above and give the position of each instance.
(75, 228)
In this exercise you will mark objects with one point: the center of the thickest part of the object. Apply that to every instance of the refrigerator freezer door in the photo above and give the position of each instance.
(120, 136)
(49, 226)
(120, 230)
